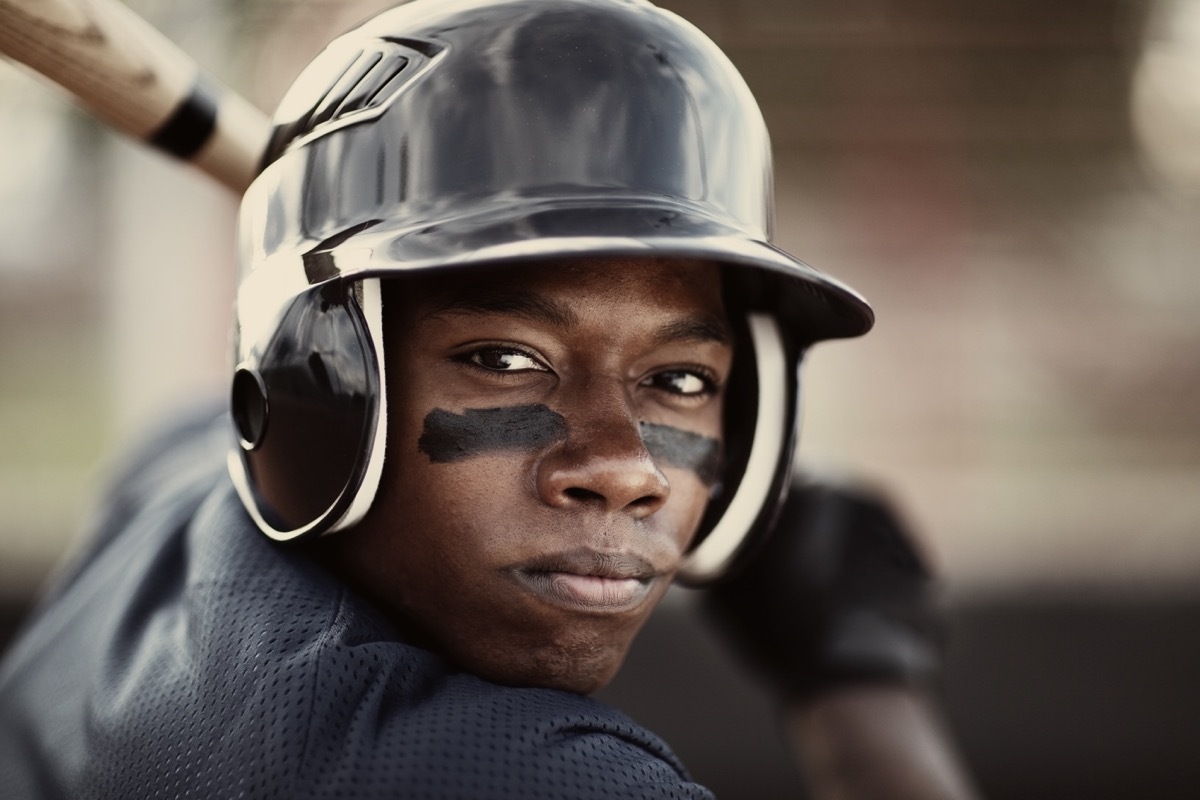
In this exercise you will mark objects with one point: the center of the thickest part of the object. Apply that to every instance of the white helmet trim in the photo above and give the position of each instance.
(371, 301)
(713, 555)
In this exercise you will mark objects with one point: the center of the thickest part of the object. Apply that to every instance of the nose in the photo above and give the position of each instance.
(603, 462)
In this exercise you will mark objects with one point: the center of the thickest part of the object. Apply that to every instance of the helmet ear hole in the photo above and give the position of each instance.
(249, 408)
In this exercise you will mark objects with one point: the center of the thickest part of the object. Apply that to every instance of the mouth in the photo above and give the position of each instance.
(587, 580)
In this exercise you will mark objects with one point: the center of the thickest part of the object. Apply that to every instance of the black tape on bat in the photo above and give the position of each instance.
(191, 124)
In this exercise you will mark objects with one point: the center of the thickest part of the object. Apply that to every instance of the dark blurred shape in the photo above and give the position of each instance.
(1049, 698)
(837, 594)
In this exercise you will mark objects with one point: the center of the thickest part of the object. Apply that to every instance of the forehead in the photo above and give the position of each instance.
(563, 291)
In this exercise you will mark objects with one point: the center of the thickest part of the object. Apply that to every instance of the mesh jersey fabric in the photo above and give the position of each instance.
(183, 654)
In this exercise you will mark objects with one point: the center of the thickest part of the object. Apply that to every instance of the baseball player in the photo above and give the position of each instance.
(513, 353)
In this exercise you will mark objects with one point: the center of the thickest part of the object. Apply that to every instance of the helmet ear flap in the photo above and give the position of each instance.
(760, 431)
(308, 411)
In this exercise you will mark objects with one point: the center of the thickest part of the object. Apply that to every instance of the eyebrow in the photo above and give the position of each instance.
(535, 308)
(518, 304)
(704, 328)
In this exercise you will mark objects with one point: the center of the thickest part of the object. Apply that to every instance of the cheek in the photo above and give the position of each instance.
(434, 540)
(451, 511)
(689, 499)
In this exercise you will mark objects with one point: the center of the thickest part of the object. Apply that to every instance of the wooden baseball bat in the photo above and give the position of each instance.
(137, 81)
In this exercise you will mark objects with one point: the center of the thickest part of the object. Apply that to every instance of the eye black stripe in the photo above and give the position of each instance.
(452, 437)
(684, 449)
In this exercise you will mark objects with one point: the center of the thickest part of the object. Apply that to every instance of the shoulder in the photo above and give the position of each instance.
(396, 717)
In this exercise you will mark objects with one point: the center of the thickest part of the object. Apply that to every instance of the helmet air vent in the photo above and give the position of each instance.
(362, 86)
(364, 80)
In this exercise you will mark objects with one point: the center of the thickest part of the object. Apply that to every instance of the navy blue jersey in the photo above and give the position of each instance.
(183, 654)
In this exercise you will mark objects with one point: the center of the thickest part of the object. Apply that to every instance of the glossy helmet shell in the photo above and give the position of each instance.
(445, 134)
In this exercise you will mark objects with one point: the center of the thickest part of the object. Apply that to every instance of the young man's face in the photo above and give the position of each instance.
(554, 433)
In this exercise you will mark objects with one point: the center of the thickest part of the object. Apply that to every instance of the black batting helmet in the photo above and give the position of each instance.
(485, 132)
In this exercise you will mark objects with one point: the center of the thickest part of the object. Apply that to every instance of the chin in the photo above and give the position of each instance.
(574, 669)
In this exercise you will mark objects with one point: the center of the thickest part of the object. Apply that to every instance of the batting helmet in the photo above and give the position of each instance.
(486, 132)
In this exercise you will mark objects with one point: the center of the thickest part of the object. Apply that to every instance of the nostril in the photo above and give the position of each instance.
(578, 494)
(646, 504)
(584, 495)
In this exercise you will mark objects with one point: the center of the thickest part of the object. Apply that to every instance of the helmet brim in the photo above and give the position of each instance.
(809, 304)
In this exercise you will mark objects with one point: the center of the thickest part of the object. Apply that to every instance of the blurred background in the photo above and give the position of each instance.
(1016, 187)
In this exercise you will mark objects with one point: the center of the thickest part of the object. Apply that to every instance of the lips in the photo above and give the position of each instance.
(588, 580)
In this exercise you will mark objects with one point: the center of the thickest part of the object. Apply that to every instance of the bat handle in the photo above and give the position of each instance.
(216, 131)
(133, 78)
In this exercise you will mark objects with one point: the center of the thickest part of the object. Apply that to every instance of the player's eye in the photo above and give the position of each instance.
(504, 359)
(686, 383)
